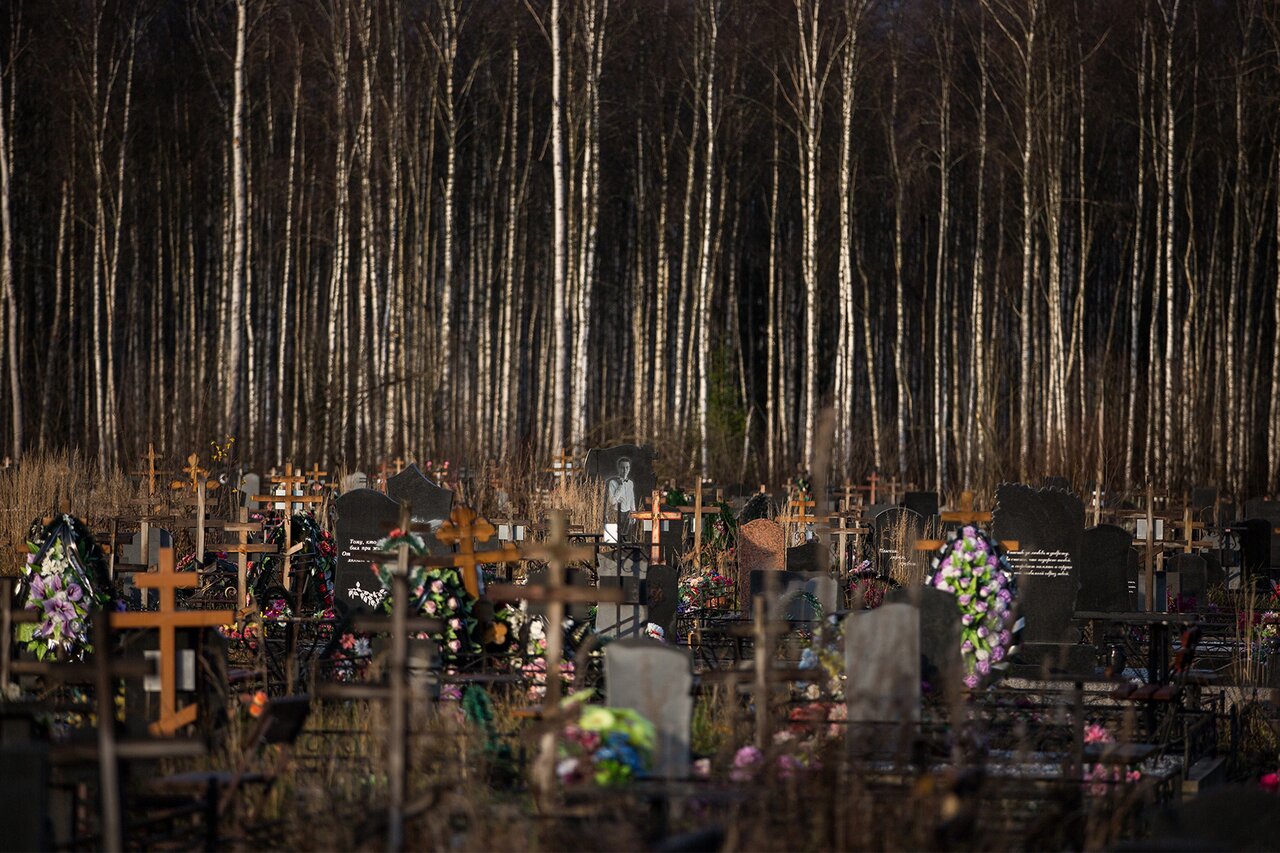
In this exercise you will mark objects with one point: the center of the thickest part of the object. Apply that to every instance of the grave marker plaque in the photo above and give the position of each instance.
(364, 518)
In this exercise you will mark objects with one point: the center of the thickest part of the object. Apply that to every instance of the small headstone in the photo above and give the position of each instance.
(1108, 571)
(761, 545)
(1188, 577)
(662, 596)
(430, 503)
(893, 533)
(805, 558)
(923, 503)
(626, 568)
(1048, 524)
(882, 664)
(941, 664)
(1269, 510)
(364, 519)
(656, 681)
(355, 480)
(790, 595)
(626, 473)
(250, 484)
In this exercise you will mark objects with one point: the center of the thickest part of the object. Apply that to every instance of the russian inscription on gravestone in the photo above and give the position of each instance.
(626, 474)
(364, 519)
(1108, 571)
(656, 681)
(626, 568)
(1048, 524)
(893, 535)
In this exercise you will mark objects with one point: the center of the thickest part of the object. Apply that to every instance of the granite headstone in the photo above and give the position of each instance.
(882, 664)
(1108, 571)
(626, 474)
(364, 518)
(656, 681)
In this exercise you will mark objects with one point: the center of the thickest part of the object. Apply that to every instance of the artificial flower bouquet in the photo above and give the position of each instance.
(607, 746)
(707, 591)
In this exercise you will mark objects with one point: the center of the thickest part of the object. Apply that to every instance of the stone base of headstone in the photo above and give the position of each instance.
(1055, 659)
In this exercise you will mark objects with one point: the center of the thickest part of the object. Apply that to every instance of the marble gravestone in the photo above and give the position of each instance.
(656, 681)
(626, 475)
(1109, 576)
(626, 567)
(364, 519)
(430, 504)
(893, 534)
(786, 594)
(941, 664)
(882, 664)
(1048, 524)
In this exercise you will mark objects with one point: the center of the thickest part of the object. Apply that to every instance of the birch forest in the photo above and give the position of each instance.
(944, 240)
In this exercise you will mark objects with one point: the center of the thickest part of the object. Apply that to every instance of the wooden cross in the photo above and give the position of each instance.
(561, 467)
(317, 476)
(1153, 548)
(463, 530)
(199, 488)
(167, 620)
(840, 528)
(243, 527)
(288, 500)
(384, 474)
(798, 513)
(656, 515)
(558, 554)
(872, 483)
(894, 486)
(399, 463)
(966, 514)
(696, 511)
(150, 473)
(1189, 528)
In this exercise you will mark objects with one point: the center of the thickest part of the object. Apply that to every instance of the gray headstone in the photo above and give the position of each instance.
(787, 599)
(626, 474)
(941, 663)
(250, 484)
(364, 518)
(656, 681)
(355, 480)
(1048, 524)
(158, 538)
(626, 568)
(1108, 571)
(882, 664)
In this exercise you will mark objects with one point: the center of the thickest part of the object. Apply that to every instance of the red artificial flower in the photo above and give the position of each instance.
(1270, 782)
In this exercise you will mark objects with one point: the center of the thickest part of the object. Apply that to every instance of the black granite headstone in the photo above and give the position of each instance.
(1108, 571)
(1048, 525)
(1255, 536)
(805, 558)
(364, 518)
(1204, 501)
(792, 588)
(626, 472)
(886, 529)
(923, 503)
(431, 504)
(1189, 577)
(1270, 510)
(1061, 483)
(940, 632)
(663, 594)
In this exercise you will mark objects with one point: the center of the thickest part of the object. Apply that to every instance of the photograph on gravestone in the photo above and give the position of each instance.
(626, 567)
(626, 475)
(894, 532)
(923, 503)
(656, 681)
(882, 664)
(363, 519)
(1048, 525)
(1109, 574)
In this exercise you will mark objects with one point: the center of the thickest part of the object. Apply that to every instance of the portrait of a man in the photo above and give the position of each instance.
(620, 491)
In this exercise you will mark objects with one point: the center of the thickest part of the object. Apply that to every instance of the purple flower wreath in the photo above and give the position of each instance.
(973, 568)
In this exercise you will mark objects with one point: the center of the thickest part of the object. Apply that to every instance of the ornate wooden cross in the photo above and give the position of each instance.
(199, 487)
(656, 515)
(463, 530)
(167, 620)
(149, 476)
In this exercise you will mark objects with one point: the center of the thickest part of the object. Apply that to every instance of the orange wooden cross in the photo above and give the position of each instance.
(316, 475)
(150, 473)
(696, 511)
(873, 483)
(464, 529)
(289, 500)
(966, 514)
(656, 515)
(167, 620)
(399, 463)
(561, 467)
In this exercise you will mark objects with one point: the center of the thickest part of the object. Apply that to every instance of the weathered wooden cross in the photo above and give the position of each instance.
(842, 527)
(696, 510)
(799, 514)
(1190, 528)
(655, 515)
(290, 499)
(873, 483)
(198, 487)
(167, 620)
(243, 528)
(463, 530)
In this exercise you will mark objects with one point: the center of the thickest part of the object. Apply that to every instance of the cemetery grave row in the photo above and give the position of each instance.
(1098, 657)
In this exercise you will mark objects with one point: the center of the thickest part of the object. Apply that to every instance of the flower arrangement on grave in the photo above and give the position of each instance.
(434, 591)
(318, 554)
(973, 568)
(65, 577)
(1101, 776)
(350, 659)
(867, 589)
(607, 746)
(825, 656)
(706, 591)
